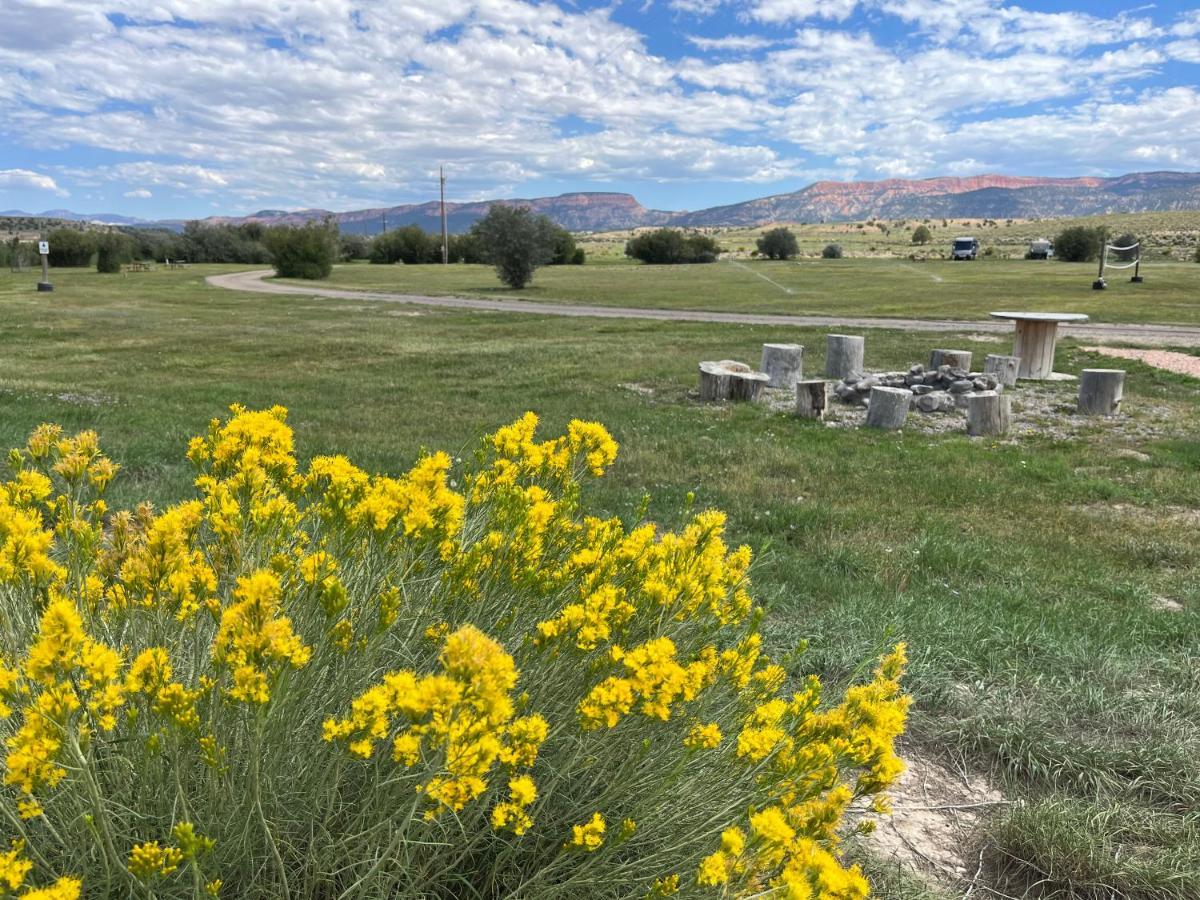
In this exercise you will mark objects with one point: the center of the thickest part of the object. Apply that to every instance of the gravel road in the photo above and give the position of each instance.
(1148, 335)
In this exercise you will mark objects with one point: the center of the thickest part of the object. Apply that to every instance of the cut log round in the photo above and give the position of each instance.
(1100, 391)
(956, 359)
(988, 413)
(746, 386)
(714, 378)
(843, 355)
(1005, 368)
(783, 364)
(812, 399)
(888, 408)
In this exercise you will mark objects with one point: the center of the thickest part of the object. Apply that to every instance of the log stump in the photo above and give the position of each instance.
(1005, 368)
(783, 364)
(812, 399)
(988, 413)
(955, 359)
(746, 387)
(1100, 391)
(843, 355)
(888, 408)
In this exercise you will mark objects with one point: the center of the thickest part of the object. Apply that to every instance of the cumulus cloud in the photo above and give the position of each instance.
(332, 103)
(138, 194)
(14, 179)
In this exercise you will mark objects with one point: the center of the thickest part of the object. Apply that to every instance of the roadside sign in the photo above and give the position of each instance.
(43, 247)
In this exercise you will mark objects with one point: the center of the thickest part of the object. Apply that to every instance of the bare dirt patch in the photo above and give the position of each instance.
(1145, 515)
(1180, 363)
(931, 830)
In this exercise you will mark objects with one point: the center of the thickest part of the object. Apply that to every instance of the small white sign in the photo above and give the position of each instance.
(43, 247)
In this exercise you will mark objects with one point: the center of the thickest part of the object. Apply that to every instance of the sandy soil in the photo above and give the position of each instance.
(1182, 363)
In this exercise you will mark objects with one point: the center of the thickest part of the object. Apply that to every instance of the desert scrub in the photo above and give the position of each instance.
(317, 682)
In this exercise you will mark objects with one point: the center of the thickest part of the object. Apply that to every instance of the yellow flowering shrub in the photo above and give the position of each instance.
(312, 681)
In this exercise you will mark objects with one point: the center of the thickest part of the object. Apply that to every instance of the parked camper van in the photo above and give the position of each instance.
(965, 248)
(1040, 249)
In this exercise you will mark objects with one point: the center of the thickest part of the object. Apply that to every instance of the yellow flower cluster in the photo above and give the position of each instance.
(589, 836)
(463, 714)
(654, 677)
(255, 640)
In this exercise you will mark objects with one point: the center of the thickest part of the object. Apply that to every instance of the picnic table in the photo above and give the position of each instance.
(1037, 334)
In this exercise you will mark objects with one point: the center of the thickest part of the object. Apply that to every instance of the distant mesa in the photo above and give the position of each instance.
(966, 197)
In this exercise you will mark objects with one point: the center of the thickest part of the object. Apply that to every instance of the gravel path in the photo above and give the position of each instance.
(1182, 363)
(1149, 335)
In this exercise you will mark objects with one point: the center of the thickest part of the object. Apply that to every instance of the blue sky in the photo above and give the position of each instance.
(172, 108)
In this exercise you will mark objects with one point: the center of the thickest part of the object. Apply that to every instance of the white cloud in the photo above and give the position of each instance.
(365, 99)
(24, 179)
(138, 194)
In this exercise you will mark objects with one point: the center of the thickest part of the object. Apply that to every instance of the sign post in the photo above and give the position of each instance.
(44, 249)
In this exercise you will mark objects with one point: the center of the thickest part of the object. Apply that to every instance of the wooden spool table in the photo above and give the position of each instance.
(1037, 333)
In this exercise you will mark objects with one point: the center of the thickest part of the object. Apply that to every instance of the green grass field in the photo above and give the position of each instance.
(858, 287)
(1027, 575)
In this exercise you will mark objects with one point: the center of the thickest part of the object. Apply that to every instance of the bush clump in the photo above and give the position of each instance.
(922, 235)
(832, 251)
(1079, 243)
(670, 246)
(314, 682)
(778, 243)
(305, 252)
(113, 249)
(70, 247)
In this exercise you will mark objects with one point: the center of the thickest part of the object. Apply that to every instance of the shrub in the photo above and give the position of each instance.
(465, 248)
(112, 249)
(579, 257)
(563, 244)
(70, 247)
(313, 682)
(778, 243)
(515, 241)
(353, 246)
(922, 235)
(670, 246)
(832, 251)
(411, 245)
(1078, 243)
(1128, 239)
(304, 252)
(223, 243)
(1196, 255)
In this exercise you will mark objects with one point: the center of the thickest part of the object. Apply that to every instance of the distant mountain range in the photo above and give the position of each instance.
(978, 196)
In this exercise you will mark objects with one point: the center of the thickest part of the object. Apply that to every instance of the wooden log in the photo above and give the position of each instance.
(956, 359)
(843, 355)
(1100, 391)
(783, 364)
(988, 413)
(1005, 368)
(714, 378)
(746, 386)
(888, 408)
(812, 399)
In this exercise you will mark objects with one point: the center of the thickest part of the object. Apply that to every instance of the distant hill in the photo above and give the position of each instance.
(973, 197)
(575, 212)
(982, 196)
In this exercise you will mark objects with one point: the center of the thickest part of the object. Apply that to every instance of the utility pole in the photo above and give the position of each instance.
(384, 214)
(445, 238)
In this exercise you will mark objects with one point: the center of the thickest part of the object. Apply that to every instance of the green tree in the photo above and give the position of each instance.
(304, 252)
(411, 245)
(832, 251)
(1079, 243)
(354, 246)
(670, 246)
(778, 243)
(113, 249)
(71, 247)
(515, 241)
(922, 235)
(564, 248)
